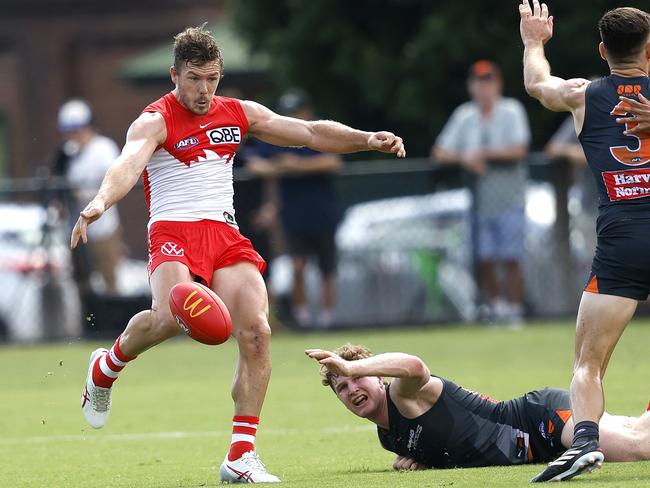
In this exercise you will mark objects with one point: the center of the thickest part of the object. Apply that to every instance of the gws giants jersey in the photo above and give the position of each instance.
(464, 429)
(620, 163)
(190, 176)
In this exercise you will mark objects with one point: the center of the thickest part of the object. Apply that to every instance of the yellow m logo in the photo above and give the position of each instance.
(194, 305)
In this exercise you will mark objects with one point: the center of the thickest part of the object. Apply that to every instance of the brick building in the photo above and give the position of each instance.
(51, 50)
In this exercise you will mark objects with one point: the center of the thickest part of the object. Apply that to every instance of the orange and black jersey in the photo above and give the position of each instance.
(621, 166)
(466, 429)
(619, 163)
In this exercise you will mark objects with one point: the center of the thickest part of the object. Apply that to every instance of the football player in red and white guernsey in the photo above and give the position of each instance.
(183, 146)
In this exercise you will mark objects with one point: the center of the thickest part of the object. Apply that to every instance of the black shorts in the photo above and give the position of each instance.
(621, 265)
(546, 412)
(320, 244)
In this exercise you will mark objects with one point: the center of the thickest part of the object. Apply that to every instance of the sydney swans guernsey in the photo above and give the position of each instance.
(190, 176)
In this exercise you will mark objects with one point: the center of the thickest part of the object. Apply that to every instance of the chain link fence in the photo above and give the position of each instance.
(414, 238)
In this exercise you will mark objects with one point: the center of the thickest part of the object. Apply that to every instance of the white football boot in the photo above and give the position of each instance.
(95, 400)
(247, 469)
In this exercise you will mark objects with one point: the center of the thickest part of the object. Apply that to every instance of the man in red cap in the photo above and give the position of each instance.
(489, 137)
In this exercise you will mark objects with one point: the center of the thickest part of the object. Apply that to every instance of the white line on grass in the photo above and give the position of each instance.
(147, 436)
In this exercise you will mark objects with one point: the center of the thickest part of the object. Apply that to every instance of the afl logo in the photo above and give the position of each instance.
(186, 143)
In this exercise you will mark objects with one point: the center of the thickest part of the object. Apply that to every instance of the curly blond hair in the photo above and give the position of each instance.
(349, 352)
(196, 45)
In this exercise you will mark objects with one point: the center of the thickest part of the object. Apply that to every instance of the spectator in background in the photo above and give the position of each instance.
(309, 211)
(489, 137)
(84, 158)
(565, 144)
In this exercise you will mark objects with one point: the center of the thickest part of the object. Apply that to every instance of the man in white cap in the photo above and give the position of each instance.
(89, 155)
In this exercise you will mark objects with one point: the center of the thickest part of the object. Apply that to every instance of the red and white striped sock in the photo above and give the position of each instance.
(244, 429)
(109, 365)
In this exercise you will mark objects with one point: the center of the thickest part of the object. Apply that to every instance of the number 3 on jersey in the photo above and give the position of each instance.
(625, 155)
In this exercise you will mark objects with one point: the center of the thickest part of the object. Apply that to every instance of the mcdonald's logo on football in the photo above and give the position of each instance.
(194, 305)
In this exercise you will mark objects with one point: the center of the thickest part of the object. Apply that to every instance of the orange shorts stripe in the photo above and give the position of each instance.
(593, 285)
(565, 415)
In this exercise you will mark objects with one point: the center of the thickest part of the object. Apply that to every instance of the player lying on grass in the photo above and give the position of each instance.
(430, 422)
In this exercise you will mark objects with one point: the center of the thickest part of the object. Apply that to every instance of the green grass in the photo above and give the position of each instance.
(170, 422)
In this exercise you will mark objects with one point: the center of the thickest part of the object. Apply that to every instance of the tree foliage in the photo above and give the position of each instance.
(402, 64)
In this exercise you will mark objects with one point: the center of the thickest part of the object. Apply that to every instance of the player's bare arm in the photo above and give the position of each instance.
(410, 373)
(639, 118)
(557, 94)
(321, 135)
(143, 137)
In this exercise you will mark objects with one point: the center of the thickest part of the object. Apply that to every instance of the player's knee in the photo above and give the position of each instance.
(254, 338)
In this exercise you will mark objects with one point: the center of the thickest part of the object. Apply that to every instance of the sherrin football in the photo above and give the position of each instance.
(200, 313)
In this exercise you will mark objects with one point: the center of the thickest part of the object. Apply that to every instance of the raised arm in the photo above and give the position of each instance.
(411, 371)
(143, 137)
(321, 135)
(557, 94)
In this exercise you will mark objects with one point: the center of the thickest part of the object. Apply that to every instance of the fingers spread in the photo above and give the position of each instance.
(632, 103)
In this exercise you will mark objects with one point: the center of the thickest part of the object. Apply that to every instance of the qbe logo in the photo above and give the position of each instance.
(224, 135)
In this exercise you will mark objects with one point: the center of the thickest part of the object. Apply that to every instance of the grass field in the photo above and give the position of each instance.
(170, 421)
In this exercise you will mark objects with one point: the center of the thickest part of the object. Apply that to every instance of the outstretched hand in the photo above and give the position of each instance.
(536, 24)
(387, 142)
(639, 118)
(94, 210)
(333, 362)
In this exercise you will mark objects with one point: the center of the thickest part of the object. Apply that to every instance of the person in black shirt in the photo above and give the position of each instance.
(430, 422)
(620, 163)
(308, 210)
